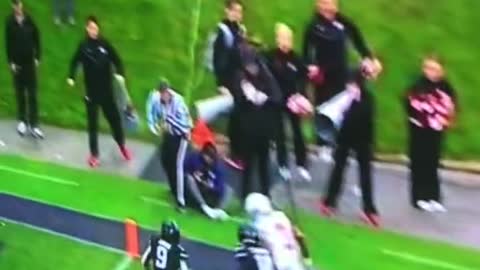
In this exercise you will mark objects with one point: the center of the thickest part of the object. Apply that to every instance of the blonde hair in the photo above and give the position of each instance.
(283, 28)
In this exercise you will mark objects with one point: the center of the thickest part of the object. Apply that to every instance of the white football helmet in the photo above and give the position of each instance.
(256, 204)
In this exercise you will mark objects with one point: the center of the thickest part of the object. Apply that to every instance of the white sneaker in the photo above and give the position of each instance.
(304, 173)
(285, 173)
(221, 214)
(37, 133)
(425, 206)
(22, 128)
(437, 207)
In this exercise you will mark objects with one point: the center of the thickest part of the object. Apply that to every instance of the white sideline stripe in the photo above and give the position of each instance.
(424, 260)
(124, 264)
(39, 176)
(66, 236)
(166, 205)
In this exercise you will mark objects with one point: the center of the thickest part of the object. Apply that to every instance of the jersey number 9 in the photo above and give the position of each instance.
(162, 257)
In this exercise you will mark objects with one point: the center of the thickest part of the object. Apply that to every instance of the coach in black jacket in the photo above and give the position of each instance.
(325, 49)
(356, 134)
(97, 55)
(259, 97)
(23, 53)
(225, 63)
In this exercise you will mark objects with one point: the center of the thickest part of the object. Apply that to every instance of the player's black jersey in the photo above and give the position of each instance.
(163, 255)
(253, 258)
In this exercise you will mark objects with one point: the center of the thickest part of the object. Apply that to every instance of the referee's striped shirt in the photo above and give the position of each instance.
(174, 115)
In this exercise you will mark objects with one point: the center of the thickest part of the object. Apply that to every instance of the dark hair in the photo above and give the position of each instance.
(230, 3)
(16, 2)
(92, 18)
(210, 150)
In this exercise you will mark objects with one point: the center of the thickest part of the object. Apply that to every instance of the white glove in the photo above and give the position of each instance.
(221, 214)
(259, 98)
(70, 82)
(248, 90)
(120, 78)
(154, 129)
(14, 67)
(37, 62)
(223, 90)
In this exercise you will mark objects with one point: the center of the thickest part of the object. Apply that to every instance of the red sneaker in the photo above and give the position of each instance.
(371, 219)
(93, 161)
(126, 154)
(234, 163)
(325, 209)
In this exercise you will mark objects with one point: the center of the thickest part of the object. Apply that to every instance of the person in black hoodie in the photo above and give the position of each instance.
(431, 105)
(357, 134)
(97, 56)
(291, 74)
(22, 39)
(258, 96)
(325, 50)
(225, 64)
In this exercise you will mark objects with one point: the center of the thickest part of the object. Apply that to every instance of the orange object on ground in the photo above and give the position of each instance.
(202, 135)
(131, 239)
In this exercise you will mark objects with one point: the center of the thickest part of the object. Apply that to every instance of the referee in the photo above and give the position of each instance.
(167, 110)
(97, 56)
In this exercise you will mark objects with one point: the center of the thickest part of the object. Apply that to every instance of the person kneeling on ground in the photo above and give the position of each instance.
(204, 176)
(279, 236)
(164, 251)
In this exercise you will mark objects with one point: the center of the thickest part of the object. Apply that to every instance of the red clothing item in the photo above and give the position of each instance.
(202, 135)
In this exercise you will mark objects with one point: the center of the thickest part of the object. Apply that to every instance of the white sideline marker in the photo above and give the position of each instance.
(39, 176)
(424, 260)
(124, 264)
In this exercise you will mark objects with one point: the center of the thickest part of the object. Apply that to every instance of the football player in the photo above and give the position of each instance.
(280, 237)
(250, 254)
(164, 251)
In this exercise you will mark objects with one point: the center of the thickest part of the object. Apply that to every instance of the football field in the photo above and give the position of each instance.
(31, 248)
(109, 198)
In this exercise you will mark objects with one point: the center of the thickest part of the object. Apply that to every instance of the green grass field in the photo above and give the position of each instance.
(27, 248)
(166, 38)
(118, 198)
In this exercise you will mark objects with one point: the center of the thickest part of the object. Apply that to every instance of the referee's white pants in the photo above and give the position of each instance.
(173, 153)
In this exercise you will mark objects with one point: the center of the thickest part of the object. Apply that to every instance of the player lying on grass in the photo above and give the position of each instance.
(204, 176)
(250, 254)
(277, 234)
(164, 251)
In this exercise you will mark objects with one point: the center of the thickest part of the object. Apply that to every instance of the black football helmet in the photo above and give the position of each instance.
(170, 232)
(248, 235)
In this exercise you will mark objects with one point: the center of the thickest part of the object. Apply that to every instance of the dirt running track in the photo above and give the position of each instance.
(101, 231)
